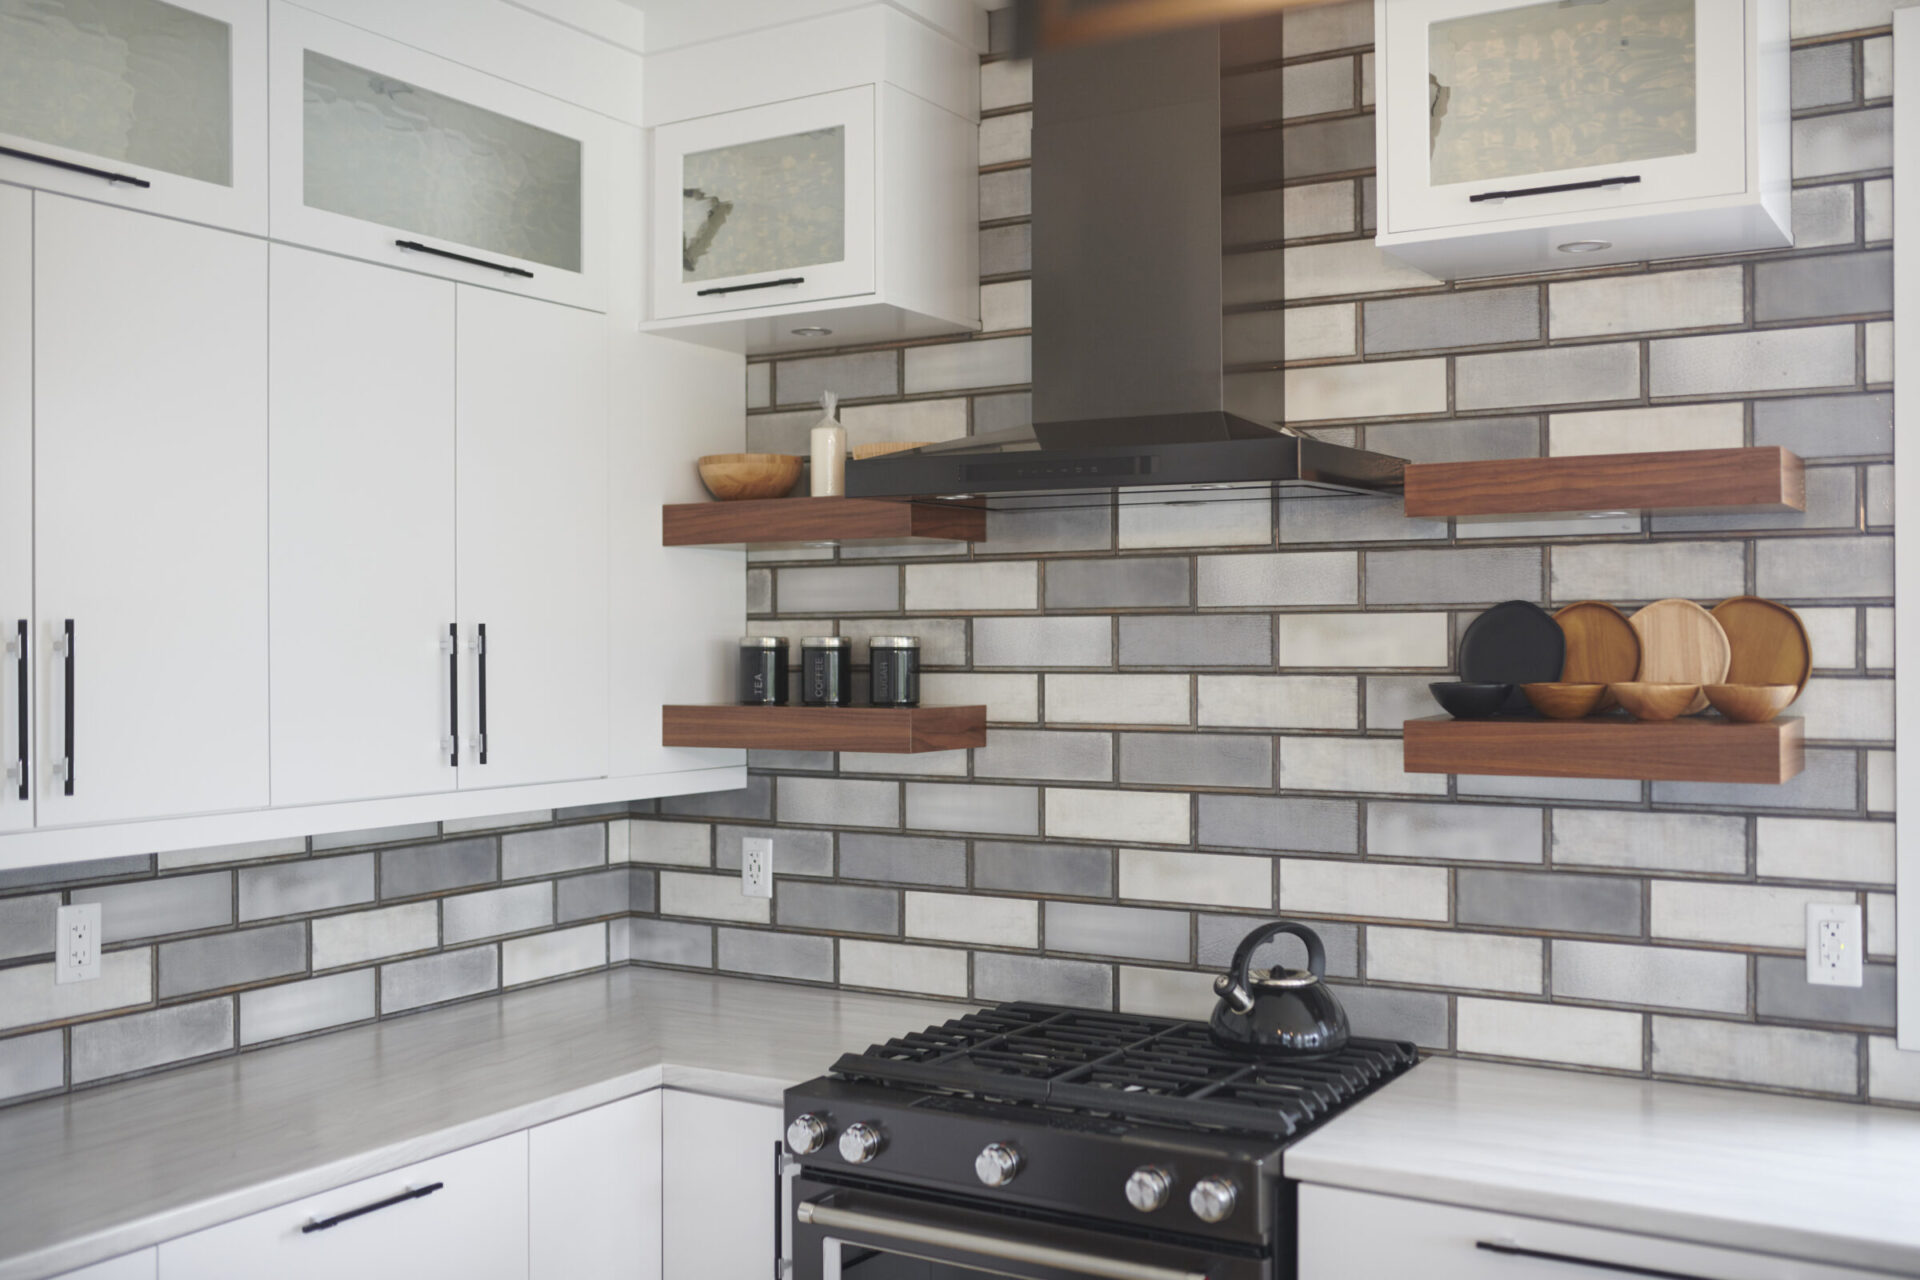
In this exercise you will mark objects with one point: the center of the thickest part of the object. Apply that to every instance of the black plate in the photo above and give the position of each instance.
(1514, 643)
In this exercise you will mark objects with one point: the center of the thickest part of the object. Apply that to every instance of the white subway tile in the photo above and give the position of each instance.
(1363, 640)
(1343, 267)
(28, 993)
(1549, 1033)
(1657, 300)
(1006, 305)
(1149, 520)
(1454, 832)
(904, 421)
(1010, 698)
(1882, 793)
(1151, 817)
(549, 955)
(1279, 702)
(1378, 389)
(1826, 849)
(716, 897)
(893, 966)
(1880, 925)
(958, 366)
(958, 917)
(1672, 977)
(1647, 571)
(1783, 1057)
(1879, 209)
(1007, 82)
(1547, 375)
(1166, 993)
(1368, 889)
(1847, 710)
(1738, 914)
(675, 844)
(1893, 1074)
(1352, 764)
(1879, 351)
(1763, 360)
(1318, 333)
(1006, 138)
(1667, 427)
(1217, 879)
(1650, 841)
(973, 587)
(1103, 699)
(1443, 958)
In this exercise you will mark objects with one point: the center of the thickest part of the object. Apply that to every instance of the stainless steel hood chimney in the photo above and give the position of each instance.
(1128, 382)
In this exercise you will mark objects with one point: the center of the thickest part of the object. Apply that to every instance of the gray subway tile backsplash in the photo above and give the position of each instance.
(300, 888)
(161, 1038)
(435, 868)
(230, 959)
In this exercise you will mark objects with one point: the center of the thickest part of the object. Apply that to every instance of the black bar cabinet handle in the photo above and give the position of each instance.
(1555, 189)
(67, 650)
(501, 267)
(742, 288)
(779, 1168)
(1622, 1268)
(453, 695)
(71, 167)
(417, 1193)
(480, 656)
(24, 684)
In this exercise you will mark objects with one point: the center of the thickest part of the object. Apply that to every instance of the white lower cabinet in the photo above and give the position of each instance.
(461, 1216)
(1344, 1234)
(142, 1265)
(593, 1183)
(721, 1198)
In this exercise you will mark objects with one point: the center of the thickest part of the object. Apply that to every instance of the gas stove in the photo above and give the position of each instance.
(1036, 1140)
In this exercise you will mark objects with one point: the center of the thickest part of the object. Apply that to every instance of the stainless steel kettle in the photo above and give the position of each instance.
(1278, 1013)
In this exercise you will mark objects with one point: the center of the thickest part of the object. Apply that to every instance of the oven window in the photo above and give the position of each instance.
(868, 1264)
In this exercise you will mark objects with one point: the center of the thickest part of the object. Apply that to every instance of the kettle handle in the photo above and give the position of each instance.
(1243, 956)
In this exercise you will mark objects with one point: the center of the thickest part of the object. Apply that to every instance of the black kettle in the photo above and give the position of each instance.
(1278, 1013)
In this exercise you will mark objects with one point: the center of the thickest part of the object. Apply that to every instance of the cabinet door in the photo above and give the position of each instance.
(719, 1205)
(391, 154)
(593, 1194)
(532, 498)
(128, 1266)
(765, 207)
(150, 514)
(153, 104)
(466, 1219)
(1483, 98)
(16, 508)
(362, 522)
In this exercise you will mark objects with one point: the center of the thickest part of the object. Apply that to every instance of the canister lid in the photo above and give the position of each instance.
(763, 642)
(895, 642)
(824, 642)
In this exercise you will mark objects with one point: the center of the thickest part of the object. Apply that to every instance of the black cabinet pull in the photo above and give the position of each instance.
(501, 267)
(321, 1224)
(453, 695)
(742, 288)
(24, 683)
(1622, 1268)
(779, 1169)
(71, 167)
(480, 658)
(1555, 189)
(66, 651)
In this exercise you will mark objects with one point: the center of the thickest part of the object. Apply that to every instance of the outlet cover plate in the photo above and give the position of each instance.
(756, 867)
(1834, 945)
(76, 943)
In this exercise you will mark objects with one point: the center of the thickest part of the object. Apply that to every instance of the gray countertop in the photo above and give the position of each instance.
(110, 1170)
(1833, 1182)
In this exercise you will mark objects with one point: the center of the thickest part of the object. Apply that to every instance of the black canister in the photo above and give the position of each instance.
(826, 671)
(763, 671)
(896, 671)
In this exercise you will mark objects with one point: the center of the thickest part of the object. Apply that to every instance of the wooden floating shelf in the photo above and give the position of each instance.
(1706, 480)
(1685, 750)
(896, 730)
(776, 520)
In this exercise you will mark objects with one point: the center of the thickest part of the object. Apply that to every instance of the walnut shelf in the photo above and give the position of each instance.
(1709, 480)
(779, 520)
(1685, 750)
(894, 730)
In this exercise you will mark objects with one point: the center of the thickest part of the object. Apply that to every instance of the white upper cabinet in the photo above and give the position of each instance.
(150, 515)
(1521, 137)
(16, 508)
(387, 153)
(140, 103)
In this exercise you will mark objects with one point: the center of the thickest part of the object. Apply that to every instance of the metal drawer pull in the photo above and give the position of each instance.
(501, 267)
(64, 647)
(71, 167)
(825, 1215)
(321, 1224)
(480, 660)
(19, 647)
(1515, 1251)
(1497, 196)
(742, 288)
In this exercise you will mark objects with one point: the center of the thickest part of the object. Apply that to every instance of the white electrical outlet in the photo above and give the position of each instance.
(1833, 944)
(756, 867)
(76, 943)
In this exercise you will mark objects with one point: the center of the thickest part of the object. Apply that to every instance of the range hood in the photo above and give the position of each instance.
(1128, 383)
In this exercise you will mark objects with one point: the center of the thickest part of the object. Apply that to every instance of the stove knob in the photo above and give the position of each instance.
(1148, 1188)
(1213, 1199)
(807, 1134)
(997, 1164)
(860, 1143)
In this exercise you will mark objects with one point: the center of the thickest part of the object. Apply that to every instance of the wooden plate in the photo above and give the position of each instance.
(1770, 643)
(1602, 646)
(1680, 643)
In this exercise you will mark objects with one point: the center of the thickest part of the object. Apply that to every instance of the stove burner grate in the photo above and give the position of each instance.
(1130, 1066)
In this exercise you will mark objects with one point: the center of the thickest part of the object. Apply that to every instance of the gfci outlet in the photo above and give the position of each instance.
(756, 868)
(1833, 944)
(76, 943)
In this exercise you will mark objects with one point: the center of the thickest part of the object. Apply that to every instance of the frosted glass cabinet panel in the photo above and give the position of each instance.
(152, 105)
(398, 156)
(1552, 115)
(765, 207)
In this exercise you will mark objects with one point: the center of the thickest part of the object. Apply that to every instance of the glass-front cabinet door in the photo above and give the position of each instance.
(1507, 111)
(394, 155)
(142, 103)
(765, 207)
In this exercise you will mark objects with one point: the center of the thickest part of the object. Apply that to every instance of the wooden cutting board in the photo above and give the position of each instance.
(1680, 643)
(1770, 643)
(1602, 646)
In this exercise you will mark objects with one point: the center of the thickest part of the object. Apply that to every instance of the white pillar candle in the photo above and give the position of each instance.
(829, 475)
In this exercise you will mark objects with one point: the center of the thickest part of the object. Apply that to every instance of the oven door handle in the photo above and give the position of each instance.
(813, 1213)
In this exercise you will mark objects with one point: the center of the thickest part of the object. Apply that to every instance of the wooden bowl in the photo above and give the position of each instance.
(1560, 700)
(1753, 703)
(731, 477)
(1645, 701)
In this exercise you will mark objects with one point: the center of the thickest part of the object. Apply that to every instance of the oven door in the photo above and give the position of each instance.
(845, 1234)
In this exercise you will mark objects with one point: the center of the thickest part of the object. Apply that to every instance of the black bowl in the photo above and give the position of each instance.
(1466, 700)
